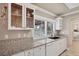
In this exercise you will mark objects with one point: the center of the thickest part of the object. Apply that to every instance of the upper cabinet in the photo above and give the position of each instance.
(58, 23)
(16, 15)
(20, 16)
(29, 16)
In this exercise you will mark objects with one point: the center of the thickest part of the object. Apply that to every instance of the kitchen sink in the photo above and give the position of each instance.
(54, 37)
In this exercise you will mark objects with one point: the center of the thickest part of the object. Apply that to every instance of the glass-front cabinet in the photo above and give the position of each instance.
(29, 17)
(16, 15)
(20, 16)
(58, 23)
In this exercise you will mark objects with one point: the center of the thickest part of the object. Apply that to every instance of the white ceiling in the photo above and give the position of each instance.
(59, 8)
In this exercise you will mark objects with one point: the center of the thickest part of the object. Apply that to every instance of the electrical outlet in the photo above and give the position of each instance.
(24, 35)
(19, 35)
(6, 36)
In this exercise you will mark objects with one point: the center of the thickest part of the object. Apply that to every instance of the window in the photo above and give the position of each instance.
(39, 31)
(49, 29)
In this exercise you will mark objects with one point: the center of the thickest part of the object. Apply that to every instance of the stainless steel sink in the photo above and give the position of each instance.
(54, 37)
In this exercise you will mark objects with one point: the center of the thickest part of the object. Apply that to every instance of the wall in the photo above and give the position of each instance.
(76, 24)
(12, 34)
(68, 27)
(41, 13)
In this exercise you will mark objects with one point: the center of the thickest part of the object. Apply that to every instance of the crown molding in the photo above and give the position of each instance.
(70, 13)
(43, 10)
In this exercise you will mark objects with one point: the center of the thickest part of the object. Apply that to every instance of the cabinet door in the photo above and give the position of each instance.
(51, 49)
(15, 16)
(60, 46)
(58, 24)
(42, 50)
(64, 44)
(39, 51)
(29, 16)
(29, 53)
(19, 54)
(36, 51)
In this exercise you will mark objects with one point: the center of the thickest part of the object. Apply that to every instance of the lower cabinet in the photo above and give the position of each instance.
(51, 49)
(39, 51)
(61, 45)
(56, 48)
(29, 52)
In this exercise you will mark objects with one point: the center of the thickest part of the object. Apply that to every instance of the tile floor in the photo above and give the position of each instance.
(73, 50)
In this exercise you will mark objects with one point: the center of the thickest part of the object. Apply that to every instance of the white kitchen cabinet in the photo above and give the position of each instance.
(29, 52)
(19, 54)
(42, 52)
(61, 45)
(51, 49)
(29, 16)
(64, 44)
(58, 23)
(56, 48)
(15, 16)
(39, 51)
(20, 16)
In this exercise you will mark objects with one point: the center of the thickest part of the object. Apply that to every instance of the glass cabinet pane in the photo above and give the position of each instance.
(29, 18)
(39, 30)
(16, 15)
(49, 29)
